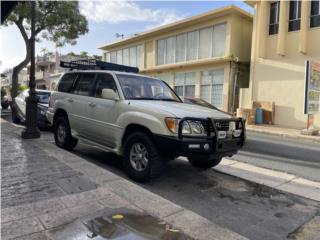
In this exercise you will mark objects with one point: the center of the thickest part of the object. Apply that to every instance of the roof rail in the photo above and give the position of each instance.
(94, 64)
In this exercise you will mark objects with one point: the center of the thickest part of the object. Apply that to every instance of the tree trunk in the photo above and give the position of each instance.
(17, 69)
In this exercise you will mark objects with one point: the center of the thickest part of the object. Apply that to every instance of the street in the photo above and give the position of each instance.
(293, 156)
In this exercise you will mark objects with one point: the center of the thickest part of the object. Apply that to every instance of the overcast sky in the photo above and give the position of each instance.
(106, 18)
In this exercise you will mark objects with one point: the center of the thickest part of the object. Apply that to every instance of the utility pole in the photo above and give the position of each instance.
(31, 130)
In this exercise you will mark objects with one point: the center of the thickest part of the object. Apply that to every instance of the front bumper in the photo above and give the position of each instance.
(210, 145)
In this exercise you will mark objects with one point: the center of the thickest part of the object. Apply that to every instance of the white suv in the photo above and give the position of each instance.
(141, 119)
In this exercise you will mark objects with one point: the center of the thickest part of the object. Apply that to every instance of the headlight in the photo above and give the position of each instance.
(188, 127)
(196, 127)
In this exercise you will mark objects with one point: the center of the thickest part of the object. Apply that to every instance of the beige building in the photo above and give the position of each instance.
(202, 56)
(285, 35)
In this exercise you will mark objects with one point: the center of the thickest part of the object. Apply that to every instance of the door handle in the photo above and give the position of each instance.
(91, 104)
(70, 100)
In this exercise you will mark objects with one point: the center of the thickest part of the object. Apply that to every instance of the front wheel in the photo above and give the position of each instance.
(142, 160)
(204, 162)
(62, 134)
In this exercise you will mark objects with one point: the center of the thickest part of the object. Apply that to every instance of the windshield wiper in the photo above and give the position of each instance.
(143, 98)
(168, 99)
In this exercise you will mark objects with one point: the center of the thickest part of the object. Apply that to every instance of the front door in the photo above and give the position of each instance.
(103, 112)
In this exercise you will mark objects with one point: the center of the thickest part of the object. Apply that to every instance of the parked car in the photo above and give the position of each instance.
(5, 102)
(203, 103)
(141, 119)
(19, 107)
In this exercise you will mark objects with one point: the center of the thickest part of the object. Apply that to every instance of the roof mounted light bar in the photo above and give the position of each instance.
(94, 64)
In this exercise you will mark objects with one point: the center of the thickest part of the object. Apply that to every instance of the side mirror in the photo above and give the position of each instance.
(110, 94)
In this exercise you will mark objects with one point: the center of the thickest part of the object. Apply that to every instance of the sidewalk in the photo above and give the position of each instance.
(49, 193)
(282, 131)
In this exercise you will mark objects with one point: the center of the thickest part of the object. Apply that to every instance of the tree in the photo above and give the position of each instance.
(58, 21)
(84, 54)
(44, 51)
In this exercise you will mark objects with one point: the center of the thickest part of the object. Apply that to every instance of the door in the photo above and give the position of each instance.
(103, 113)
(81, 98)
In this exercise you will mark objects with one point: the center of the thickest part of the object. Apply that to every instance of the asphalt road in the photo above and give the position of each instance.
(293, 156)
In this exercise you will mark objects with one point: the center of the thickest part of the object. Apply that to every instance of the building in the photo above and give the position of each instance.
(285, 35)
(48, 70)
(204, 56)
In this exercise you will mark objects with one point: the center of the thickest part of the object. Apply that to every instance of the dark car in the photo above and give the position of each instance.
(203, 103)
(19, 107)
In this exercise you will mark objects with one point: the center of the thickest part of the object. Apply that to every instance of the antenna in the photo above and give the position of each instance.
(119, 35)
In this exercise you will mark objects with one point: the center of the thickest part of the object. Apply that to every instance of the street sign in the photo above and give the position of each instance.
(312, 88)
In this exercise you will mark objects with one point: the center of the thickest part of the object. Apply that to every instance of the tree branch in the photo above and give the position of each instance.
(19, 24)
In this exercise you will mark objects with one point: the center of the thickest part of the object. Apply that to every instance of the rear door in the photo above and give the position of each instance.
(103, 112)
(64, 98)
(81, 99)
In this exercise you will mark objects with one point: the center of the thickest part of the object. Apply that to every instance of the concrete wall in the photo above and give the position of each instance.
(278, 65)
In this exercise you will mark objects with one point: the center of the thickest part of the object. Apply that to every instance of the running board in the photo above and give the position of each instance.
(95, 144)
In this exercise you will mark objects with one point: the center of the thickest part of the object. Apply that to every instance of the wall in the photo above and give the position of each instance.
(280, 78)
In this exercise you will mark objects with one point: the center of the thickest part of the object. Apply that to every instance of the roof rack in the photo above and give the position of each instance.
(94, 64)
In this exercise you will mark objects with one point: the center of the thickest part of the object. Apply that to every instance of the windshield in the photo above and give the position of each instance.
(145, 88)
(43, 97)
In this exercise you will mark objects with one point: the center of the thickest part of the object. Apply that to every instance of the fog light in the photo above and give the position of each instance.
(206, 146)
(237, 133)
(194, 146)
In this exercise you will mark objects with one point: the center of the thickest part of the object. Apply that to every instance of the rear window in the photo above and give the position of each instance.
(66, 82)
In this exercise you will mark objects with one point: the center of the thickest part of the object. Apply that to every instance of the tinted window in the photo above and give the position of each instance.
(294, 15)
(274, 18)
(66, 82)
(315, 14)
(104, 81)
(84, 84)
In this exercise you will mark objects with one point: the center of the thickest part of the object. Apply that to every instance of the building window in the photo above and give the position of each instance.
(184, 84)
(211, 89)
(315, 14)
(133, 56)
(274, 18)
(294, 15)
(204, 43)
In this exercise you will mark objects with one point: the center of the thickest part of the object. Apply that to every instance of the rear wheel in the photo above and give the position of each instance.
(204, 162)
(62, 134)
(142, 160)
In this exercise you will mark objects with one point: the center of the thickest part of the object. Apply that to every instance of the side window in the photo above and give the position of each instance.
(84, 84)
(104, 81)
(66, 82)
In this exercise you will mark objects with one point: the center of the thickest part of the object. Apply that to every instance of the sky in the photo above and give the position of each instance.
(106, 18)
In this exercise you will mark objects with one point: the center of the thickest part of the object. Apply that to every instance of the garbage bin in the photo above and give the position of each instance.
(259, 116)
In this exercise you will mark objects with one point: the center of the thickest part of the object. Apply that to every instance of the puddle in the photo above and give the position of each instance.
(119, 225)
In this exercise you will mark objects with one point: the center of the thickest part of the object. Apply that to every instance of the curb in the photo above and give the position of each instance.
(275, 179)
(313, 139)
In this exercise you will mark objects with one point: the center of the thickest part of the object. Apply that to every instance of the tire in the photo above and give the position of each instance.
(14, 115)
(150, 169)
(62, 134)
(204, 162)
